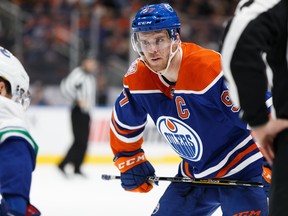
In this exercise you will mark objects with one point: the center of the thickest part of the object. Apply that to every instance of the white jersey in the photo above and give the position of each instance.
(13, 122)
(79, 85)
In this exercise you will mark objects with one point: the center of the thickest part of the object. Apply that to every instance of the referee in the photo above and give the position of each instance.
(80, 88)
(255, 55)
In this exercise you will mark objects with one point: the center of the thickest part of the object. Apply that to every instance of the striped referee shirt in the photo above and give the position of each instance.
(79, 85)
(254, 55)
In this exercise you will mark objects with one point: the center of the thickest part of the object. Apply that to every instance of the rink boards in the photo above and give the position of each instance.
(51, 128)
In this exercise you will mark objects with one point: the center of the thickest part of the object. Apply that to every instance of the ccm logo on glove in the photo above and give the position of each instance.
(126, 163)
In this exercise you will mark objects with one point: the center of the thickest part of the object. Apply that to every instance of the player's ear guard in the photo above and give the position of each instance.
(135, 169)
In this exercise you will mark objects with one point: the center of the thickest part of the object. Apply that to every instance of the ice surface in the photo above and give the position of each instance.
(56, 195)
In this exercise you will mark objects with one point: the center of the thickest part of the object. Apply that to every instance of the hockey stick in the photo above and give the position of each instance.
(216, 182)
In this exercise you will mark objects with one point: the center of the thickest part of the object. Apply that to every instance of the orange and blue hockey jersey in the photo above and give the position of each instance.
(195, 116)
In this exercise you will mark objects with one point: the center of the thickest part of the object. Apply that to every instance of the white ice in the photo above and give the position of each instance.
(56, 195)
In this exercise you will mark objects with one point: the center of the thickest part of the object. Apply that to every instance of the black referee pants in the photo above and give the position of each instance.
(80, 127)
(278, 198)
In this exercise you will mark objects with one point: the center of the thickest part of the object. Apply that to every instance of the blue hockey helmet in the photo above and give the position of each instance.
(157, 17)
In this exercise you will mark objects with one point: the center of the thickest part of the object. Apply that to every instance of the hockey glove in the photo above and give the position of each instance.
(5, 211)
(134, 169)
(266, 176)
(32, 211)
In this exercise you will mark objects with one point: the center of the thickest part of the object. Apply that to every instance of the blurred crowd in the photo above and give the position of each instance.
(50, 28)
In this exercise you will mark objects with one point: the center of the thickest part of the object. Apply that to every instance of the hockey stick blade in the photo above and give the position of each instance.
(109, 177)
(215, 182)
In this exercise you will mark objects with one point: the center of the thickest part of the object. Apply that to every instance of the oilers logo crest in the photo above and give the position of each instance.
(182, 138)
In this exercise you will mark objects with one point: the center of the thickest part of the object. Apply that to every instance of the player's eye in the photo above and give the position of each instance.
(145, 43)
(160, 40)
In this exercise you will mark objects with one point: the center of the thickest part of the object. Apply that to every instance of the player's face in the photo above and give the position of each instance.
(3, 90)
(156, 48)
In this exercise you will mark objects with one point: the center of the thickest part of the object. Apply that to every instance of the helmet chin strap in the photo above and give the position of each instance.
(171, 56)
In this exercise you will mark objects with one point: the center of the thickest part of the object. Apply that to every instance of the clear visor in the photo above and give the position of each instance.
(143, 44)
(23, 98)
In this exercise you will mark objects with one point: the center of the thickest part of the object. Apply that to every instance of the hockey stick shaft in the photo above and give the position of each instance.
(216, 182)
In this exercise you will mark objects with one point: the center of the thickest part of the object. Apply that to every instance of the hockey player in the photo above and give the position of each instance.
(181, 86)
(18, 150)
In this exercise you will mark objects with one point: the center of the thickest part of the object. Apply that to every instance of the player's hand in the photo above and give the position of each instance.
(134, 169)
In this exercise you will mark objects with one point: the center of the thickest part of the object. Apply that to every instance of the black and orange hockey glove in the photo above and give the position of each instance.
(135, 169)
(266, 176)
